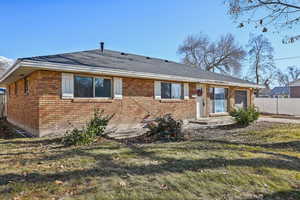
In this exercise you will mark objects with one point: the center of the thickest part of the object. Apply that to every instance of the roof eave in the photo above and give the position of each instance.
(115, 72)
(10, 70)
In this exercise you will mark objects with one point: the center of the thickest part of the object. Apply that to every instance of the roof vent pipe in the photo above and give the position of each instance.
(102, 46)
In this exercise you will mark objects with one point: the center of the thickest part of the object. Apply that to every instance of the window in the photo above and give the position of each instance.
(102, 87)
(16, 88)
(241, 99)
(171, 90)
(218, 97)
(89, 87)
(26, 86)
(83, 86)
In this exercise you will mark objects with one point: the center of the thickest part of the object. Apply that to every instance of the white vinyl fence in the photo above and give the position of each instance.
(288, 106)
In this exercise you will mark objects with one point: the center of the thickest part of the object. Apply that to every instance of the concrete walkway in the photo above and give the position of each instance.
(278, 120)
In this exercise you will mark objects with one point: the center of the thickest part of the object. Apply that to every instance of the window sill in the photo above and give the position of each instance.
(172, 100)
(91, 100)
(218, 114)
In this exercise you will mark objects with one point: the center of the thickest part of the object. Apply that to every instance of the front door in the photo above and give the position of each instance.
(199, 102)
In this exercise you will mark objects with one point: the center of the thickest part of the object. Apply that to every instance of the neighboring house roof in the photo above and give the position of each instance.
(266, 92)
(119, 63)
(295, 83)
(280, 91)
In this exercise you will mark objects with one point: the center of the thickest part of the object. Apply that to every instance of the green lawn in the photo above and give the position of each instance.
(248, 164)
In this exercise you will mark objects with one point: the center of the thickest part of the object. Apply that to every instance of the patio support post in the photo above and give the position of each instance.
(250, 97)
(207, 101)
(231, 98)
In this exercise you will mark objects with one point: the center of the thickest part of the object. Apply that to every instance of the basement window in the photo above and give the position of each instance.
(171, 90)
(92, 87)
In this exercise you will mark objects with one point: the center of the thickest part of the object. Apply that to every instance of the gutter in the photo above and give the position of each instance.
(116, 72)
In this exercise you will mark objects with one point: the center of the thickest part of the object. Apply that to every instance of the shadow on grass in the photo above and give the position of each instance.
(282, 195)
(33, 141)
(107, 166)
(293, 145)
(7, 131)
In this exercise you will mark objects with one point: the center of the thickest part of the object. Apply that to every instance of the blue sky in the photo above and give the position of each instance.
(153, 28)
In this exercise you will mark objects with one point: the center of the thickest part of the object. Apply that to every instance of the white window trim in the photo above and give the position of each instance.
(186, 91)
(117, 90)
(157, 90)
(64, 94)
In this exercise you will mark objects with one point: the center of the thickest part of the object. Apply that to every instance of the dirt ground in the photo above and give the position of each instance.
(229, 131)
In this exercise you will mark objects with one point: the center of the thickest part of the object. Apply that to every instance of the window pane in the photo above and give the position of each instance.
(166, 90)
(241, 99)
(218, 99)
(102, 87)
(176, 91)
(83, 86)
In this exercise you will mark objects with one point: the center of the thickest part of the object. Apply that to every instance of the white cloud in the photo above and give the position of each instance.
(5, 63)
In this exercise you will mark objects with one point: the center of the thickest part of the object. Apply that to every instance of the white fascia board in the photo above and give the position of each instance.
(122, 73)
(10, 70)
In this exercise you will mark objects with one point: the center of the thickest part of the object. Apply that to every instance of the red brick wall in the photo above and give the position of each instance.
(295, 91)
(22, 109)
(44, 112)
(54, 115)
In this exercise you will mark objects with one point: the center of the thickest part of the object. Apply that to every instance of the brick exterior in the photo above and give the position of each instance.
(43, 112)
(22, 109)
(295, 91)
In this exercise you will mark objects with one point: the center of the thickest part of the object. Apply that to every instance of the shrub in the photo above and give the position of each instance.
(87, 135)
(245, 116)
(165, 128)
(77, 137)
(98, 123)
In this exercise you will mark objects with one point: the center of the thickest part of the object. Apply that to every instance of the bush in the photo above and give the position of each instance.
(165, 128)
(87, 135)
(98, 123)
(245, 116)
(77, 137)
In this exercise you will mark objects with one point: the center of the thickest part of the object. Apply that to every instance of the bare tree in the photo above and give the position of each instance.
(284, 78)
(261, 60)
(294, 73)
(279, 14)
(224, 55)
(5, 63)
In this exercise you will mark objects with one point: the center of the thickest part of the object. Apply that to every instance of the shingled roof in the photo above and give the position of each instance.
(114, 60)
(280, 91)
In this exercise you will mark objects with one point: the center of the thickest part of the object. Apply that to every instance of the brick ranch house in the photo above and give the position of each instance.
(48, 94)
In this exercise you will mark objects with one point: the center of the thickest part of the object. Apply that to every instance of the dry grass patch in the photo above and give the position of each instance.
(248, 164)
